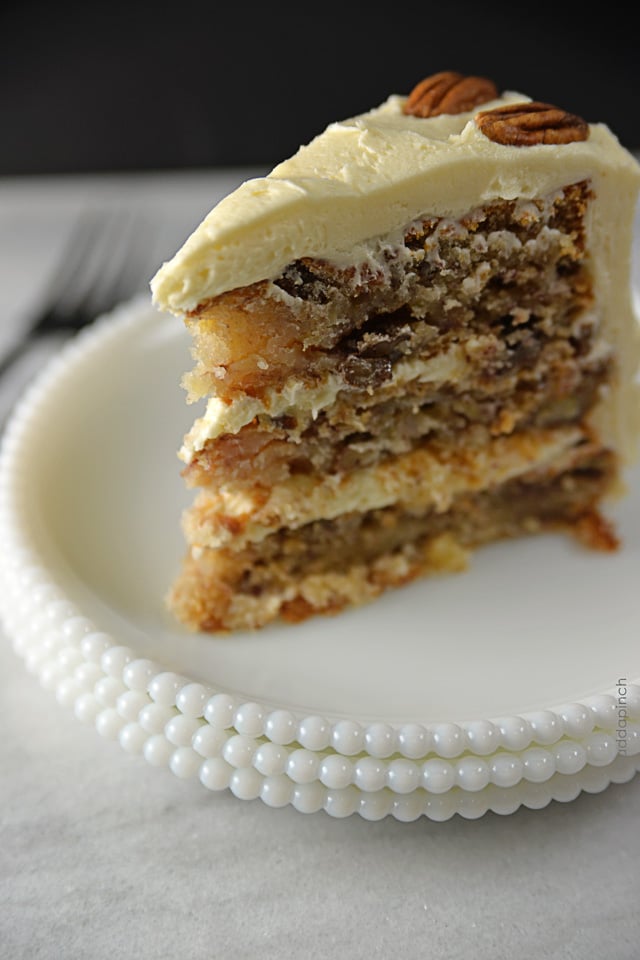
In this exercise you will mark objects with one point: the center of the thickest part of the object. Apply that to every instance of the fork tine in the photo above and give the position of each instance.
(112, 257)
(62, 291)
(100, 265)
(139, 261)
(126, 273)
(103, 272)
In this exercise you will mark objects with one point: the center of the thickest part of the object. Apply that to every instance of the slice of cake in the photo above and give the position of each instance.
(414, 337)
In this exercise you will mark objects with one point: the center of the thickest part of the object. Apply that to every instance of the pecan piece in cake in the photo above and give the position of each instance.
(528, 124)
(448, 92)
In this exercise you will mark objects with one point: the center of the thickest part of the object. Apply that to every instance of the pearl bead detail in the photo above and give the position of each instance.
(114, 660)
(369, 774)
(403, 776)
(180, 730)
(314, 733)
(472, 774)
(438, 775)
(86, 708)
(482, 736)
(109, 723)
(215, 774)
(308, 797)
(601, 749)
(164, 688)
(281, 726)
(246, 784)
(154, 717)
(347, 737)
(93, 645)
(132, 738)
(276, 791)
(239, 751)
(335, 772)
(184, 762)
(506, 769)
(138, 674)
(208, 741)
(570, 757)
(578, 719)
(380, 740)
(250, 720)
(271, 759)
(131, 703)
(515, 732)
(157, 750)
(302, 766)
(341, 803)
(539, 764)
(219, 710)
(448, 739)
(414, 741)
(108, 689)
(375, 806)
(192, 699)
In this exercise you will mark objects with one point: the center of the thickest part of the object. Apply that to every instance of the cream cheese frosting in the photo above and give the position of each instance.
(362, 178)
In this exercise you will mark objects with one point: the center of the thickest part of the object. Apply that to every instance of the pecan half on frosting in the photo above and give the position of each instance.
(448, 92)
(528, 124)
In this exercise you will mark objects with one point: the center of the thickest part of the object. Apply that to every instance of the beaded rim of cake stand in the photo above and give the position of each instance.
(194, 729)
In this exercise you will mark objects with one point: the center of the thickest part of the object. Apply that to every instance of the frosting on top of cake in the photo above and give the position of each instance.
(364, 177)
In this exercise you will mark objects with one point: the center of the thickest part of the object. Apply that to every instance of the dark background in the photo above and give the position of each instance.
(89, 87)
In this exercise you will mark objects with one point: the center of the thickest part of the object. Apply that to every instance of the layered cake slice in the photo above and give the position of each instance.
(413, 337)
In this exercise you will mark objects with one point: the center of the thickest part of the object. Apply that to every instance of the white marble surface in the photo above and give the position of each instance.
(105, 856)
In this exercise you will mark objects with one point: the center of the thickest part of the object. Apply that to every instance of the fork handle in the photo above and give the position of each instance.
(14, 353)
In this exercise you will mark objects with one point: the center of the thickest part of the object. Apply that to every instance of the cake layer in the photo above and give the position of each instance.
(551, 384)
(429, 475)
(324, 566)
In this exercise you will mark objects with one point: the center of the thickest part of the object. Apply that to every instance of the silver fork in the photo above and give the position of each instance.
(102, 264)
